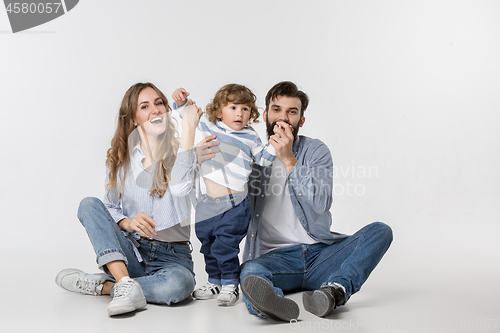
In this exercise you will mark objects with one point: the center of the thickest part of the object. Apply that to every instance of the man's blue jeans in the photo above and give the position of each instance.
(309, 267)
(166, 273)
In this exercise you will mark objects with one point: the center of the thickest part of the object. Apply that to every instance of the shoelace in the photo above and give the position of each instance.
(230, 289)
(87, 286)
(123, 288)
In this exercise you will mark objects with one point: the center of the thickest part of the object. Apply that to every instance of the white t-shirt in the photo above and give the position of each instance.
(279, 226)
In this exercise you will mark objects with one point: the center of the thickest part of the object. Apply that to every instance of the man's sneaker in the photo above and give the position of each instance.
(77, 281)
(228, 295)
(322, 301)
(264, 300)
(208, 291)
(128, 297)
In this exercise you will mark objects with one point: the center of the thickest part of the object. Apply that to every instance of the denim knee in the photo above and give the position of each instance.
(383, 231)
(171, 286)
(88, 205)
(253, 268)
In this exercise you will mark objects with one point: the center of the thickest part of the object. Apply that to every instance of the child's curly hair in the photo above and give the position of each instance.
(232, 93)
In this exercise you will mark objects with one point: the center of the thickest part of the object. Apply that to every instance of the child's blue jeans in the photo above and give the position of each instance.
(220, 236)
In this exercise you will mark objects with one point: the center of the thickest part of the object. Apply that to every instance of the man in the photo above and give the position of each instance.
(289, 245)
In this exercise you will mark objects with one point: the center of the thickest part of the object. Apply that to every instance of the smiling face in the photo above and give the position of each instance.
(151, 111)
(284, 108)
(235, 116)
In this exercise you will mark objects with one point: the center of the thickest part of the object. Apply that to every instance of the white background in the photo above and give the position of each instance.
(406, 89)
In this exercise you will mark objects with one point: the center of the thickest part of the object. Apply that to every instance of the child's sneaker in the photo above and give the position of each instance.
(208, 291)
(228, 295)
(128, 297)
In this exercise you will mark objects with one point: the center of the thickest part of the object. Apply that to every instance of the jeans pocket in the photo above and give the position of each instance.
(182, 252)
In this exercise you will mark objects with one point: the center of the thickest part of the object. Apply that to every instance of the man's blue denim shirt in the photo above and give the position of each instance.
(310, 184)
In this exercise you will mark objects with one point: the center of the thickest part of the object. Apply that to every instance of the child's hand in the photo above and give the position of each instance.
(179, 96)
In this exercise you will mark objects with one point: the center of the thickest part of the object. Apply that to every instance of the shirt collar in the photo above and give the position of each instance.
(226, 128)
(137, 153)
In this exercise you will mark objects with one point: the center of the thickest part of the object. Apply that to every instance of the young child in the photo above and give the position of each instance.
(223, 213)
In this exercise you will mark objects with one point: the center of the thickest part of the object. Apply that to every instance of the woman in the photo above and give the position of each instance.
(140, 232)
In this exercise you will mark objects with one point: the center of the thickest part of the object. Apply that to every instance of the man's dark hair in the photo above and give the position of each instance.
(289, 89)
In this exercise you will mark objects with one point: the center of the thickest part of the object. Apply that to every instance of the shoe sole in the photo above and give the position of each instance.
(317, 303)
(261, 295)
(206, 297)
(128, 308)
(226, 303)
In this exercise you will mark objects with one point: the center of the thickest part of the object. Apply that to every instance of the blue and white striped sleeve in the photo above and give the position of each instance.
(180, 108)
(112, 200)
(263, 155)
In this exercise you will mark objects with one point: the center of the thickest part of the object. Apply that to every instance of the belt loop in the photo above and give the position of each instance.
(232, 199)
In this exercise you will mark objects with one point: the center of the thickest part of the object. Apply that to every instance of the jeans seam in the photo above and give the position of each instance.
(345, 245)
(304, 263)
(178, 256)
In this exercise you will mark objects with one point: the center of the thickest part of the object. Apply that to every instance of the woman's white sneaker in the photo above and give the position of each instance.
(78, 281)
(128, 297)
(228, 295)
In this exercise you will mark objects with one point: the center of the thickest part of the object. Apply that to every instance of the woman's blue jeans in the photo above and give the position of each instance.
(309, 267)
(166, 273)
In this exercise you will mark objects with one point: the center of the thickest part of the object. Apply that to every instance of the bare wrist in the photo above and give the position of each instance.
(122, 223)
(290, 164)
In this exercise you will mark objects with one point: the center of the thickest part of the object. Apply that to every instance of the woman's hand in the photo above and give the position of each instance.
(190, 118)
(203, 148)
(179, 96)
(143, 224)
(191, 115)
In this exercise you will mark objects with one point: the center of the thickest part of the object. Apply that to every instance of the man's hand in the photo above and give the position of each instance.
(203, 149)
(179, 96)
(282, 141)
(143, 224)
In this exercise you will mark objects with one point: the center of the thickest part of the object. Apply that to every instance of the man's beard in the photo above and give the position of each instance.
(270, 127)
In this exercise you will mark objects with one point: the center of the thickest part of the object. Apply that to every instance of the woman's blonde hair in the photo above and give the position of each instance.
(118, 155)
(232, 93)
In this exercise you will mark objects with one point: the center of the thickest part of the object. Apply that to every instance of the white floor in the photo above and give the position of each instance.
(403, 294)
